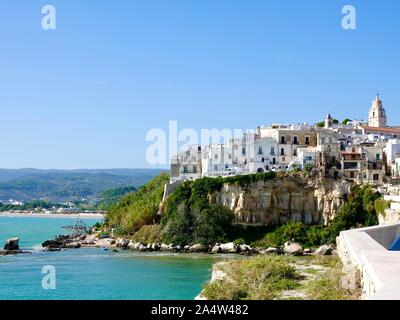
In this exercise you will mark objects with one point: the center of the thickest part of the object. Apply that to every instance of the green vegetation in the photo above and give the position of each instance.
(346, 121)
(37, 204)
(59, 186)
(381, 205)
(307, 235)
(112, 196)
(359, 210)
(259, 278)
(327, 286)
(138, 209)
(280, 277)
(148, 234)
(190, 216)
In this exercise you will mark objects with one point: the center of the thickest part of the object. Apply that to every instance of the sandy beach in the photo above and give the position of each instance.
(54, 215)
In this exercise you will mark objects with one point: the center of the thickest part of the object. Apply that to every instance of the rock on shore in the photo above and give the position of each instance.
(11, 246)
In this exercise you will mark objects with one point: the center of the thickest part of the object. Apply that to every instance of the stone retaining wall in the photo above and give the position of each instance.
(367, 261)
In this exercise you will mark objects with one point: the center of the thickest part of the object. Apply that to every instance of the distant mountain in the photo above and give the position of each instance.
(68, 185)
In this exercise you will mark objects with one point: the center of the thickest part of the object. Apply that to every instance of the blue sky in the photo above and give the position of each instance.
(85, 94)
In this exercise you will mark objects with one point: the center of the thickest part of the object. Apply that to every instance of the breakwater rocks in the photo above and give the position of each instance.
(64, 242)
(11, 246)
(75, 242)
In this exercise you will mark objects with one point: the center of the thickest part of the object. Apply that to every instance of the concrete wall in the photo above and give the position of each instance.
(364, 253)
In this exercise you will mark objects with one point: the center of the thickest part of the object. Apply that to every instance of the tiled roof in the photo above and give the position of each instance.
(386, 130)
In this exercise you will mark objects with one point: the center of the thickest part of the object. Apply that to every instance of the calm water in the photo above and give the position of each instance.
(94, 273)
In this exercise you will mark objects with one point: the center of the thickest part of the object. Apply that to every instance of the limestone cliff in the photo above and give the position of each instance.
(292, 198)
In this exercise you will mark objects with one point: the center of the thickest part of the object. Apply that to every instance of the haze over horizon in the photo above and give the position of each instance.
(85, 95)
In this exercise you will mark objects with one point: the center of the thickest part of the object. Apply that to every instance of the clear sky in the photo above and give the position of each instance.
(85, 95)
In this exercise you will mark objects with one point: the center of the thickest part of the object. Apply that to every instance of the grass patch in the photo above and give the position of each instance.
(327, 286)
(148, 234)
(259, 278)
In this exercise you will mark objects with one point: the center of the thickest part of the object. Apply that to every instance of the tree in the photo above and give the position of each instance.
(212, 225)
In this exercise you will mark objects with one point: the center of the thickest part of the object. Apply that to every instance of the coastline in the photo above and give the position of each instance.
(53, 215)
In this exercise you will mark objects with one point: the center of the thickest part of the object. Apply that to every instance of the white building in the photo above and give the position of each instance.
(392, 151)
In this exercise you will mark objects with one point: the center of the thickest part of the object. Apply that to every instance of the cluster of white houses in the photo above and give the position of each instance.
(362, 152)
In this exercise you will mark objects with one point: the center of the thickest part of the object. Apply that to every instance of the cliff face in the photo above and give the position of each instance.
(282, 200)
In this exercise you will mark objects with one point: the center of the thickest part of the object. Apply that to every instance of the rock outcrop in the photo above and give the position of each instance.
(12, 244)
(293, 248)
(277, 201)
(325, 250)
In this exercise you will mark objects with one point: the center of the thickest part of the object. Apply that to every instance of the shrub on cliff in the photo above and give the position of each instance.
(206, 225)
(190, 217)
(295, 231)
(139, 208)
(358, 211)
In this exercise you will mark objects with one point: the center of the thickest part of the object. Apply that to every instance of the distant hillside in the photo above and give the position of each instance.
(68, 185)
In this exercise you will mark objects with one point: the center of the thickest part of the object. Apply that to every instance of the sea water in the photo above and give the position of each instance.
(93, 273)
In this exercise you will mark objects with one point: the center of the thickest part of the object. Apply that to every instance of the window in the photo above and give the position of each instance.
(273, 161)
(295, 152)
(243, 151)
(307, 140)
(282, 140)
(194, 169)
(352, 175)
(216, 157)
(295, 140)
(185, 169)
(230, 156)
(378, 157)
(263, 160)
(272, 151)
(283, 159)
(215, 168)
(282, 152)
(260, 150)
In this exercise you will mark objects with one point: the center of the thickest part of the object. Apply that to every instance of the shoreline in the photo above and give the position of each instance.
(52, 215)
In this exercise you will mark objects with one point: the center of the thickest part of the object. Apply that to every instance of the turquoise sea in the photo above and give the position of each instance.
(93, 273)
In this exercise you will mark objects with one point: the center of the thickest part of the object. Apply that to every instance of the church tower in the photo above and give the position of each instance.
(328, 121)
(377, 114)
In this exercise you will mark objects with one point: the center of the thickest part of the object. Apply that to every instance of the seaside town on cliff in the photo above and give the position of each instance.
(351, 150)
(338, 153)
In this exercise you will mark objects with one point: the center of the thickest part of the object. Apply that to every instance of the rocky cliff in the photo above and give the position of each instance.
(292, 198)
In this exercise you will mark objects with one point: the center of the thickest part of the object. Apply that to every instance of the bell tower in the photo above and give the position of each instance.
(377, 114)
